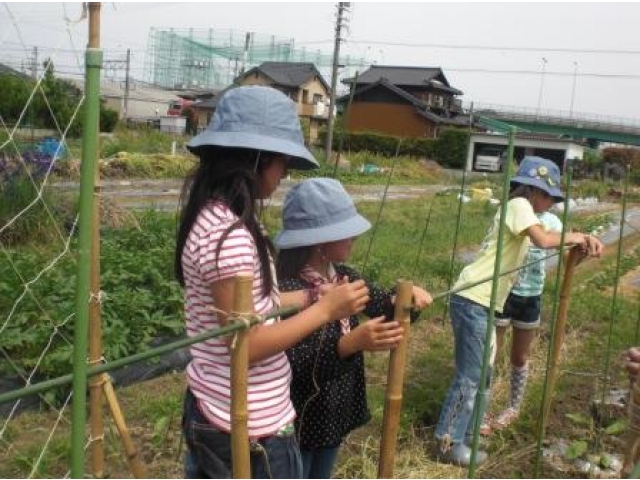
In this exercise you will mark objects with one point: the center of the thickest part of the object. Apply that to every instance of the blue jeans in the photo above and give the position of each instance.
(209, 450)
(469, 323)
(319, 462)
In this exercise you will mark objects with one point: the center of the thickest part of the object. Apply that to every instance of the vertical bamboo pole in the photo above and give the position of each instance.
(575, 255)
(480, 400)
(632, 455)
(93, 63)
(242, 305)
(95, 335)
(133, 459)
(395, 381)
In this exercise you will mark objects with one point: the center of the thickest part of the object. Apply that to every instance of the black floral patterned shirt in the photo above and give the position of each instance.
(329, 393)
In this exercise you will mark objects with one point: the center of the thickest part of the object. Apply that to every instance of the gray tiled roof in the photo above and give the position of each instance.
(290, 74)
(406, 77)
(420, 107)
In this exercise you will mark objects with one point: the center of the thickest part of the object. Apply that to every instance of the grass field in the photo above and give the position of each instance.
(139, 279)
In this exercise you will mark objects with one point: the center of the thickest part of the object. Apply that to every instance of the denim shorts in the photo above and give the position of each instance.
(520, 312)
(209, 450)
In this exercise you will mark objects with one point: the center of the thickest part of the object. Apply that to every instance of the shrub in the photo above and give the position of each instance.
(24, 218)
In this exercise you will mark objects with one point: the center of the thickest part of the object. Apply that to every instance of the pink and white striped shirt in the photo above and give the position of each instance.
(209, 372)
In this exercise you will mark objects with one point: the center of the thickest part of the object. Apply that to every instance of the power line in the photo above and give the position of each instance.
(497, 48)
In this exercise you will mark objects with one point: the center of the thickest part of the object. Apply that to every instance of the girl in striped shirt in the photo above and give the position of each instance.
(253, 138)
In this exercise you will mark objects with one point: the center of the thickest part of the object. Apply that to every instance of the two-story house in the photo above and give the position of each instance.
(401, 101)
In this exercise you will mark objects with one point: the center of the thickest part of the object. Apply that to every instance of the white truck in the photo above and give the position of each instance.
(489, 159)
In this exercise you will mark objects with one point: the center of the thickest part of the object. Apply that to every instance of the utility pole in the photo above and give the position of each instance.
(127, 85)
(342, 7)
(245, 53)
(34, 74)
(34, 65)
(573, 88)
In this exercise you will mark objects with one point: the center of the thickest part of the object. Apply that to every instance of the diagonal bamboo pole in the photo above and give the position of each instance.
(395, 381)
(574, 257)
(242, 305)
(133, 459)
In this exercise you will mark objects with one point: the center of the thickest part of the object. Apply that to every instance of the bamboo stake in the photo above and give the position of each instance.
(395, 381)
(133, 459)
(95, 338)
(93, 63)
(242, 305)
(633, 436)
(574, 257)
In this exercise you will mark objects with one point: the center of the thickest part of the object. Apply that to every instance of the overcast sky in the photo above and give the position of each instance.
(479, 45)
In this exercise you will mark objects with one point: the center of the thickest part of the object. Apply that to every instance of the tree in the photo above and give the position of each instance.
(52, 106)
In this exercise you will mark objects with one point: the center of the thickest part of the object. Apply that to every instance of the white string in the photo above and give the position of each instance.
(33, 372)
(50, 437)
(15, 25)
(51, 264)
(10, 145)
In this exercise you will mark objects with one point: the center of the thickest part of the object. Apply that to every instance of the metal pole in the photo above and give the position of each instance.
(541, 428)
(93, 62)
(452, 260)
(138, 357)
(480, 396)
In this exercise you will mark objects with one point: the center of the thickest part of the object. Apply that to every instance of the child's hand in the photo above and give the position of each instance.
(377, 334)
(345, 299)
(421, 298)
(632, 363)
(594, 245)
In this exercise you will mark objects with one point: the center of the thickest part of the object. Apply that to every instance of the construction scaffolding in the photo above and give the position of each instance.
(211, 58)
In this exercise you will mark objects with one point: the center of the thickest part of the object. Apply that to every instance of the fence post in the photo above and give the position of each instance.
(395, 382)
(242, 306)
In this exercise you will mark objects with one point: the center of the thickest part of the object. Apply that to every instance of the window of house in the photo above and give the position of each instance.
(317, 98)
(305, 95)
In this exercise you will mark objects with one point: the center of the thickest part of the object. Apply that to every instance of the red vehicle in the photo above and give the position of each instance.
(177, 107)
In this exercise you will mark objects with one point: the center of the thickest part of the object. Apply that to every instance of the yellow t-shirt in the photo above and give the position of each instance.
(519, 217)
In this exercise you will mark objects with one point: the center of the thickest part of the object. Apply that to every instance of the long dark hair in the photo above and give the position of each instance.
(292, 260)
(230, 175)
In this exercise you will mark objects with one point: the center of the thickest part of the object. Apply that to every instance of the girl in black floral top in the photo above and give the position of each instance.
(328, 389)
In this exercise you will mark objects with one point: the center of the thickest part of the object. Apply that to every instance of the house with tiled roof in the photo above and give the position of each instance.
(401, 101)
(301, 81)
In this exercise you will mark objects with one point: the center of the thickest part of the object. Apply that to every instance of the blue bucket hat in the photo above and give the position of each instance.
(318, 210)
(540, 173)
(260, 118)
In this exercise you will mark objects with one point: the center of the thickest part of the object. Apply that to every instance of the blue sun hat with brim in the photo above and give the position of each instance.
(259, 118)
(318, 210)
(540, 173)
